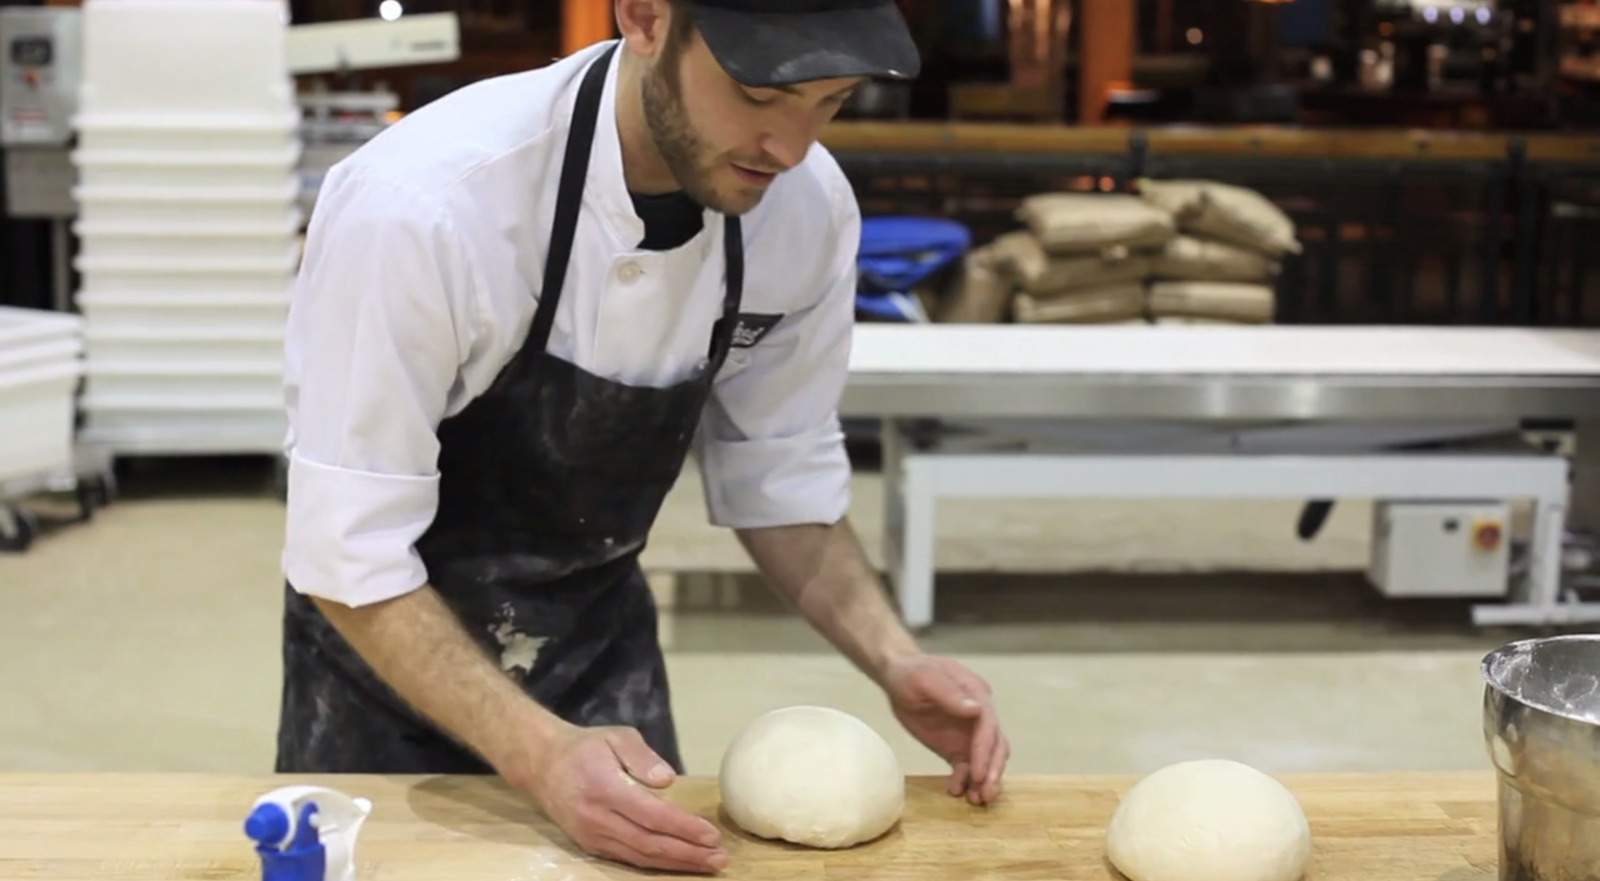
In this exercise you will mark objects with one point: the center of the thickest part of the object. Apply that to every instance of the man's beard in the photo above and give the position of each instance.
(680, 148)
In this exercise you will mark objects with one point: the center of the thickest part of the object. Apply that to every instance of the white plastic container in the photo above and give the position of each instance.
(20, 327)
(103, 134)
(39, 414)
(180, 384)
(155, 345)
(285, 223)
(167, 274)
(187, 169)
(185, 56)
(177, 249)
(144, 424)
(187, 315)
(45, 353)
(168, 205)
(239, 136)
(173, 241)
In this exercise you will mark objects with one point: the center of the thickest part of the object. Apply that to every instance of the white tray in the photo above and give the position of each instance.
(103, 249)
(192, 55)
(187, 169)
(38, 412)
(46, 353)
(167, 274)
(135, 431)
(19, 327)
(186, 314)
(246, 134)
(151, 205)
(286, 223)
(178, 385)
(215, 347)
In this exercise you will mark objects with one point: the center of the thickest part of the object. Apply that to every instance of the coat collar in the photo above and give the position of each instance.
(606, 187)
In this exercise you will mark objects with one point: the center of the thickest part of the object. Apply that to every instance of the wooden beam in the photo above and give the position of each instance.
(851, 136)
(584, 23)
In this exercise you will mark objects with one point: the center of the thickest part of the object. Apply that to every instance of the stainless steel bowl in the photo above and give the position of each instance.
(1541, 722)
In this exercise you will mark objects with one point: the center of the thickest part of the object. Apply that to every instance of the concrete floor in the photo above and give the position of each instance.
(1118, 637)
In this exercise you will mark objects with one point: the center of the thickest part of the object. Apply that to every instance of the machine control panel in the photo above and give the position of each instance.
(40, 61)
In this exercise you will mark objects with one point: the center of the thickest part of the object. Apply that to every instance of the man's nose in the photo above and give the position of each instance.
(790, 140)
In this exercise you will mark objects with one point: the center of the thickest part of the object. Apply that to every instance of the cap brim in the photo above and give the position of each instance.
(766, 49)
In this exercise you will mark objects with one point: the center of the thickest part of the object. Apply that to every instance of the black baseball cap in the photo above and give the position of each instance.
(766, 43)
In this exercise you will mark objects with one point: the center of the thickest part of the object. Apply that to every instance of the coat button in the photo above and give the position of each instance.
(629, 273)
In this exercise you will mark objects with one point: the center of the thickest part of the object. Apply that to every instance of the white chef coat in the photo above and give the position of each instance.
(423, 264)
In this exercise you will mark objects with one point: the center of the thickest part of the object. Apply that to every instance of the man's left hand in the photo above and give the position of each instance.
(951, 710)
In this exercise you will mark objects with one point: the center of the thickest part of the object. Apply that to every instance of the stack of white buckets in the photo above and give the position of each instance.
(189, 223)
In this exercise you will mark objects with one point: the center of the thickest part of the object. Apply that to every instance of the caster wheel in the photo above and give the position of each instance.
(25, 528)
(96, 493)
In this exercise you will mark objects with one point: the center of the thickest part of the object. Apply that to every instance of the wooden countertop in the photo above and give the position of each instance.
(113, 827)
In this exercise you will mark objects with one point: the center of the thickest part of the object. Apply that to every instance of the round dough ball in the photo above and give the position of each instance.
(1209, 820)
(812, 776)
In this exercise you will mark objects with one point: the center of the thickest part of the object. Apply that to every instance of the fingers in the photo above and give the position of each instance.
(660, 817)
(638, 759)
(639, 848)
(981, 752)
(656, 816)
(990, 788)
(960, 776)
(630, 824)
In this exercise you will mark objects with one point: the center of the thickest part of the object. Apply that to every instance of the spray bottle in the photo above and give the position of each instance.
(307, 833)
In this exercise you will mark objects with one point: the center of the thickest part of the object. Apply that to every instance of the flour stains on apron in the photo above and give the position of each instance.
(518, 651)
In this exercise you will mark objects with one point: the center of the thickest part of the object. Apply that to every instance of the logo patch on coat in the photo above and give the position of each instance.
(752, 327)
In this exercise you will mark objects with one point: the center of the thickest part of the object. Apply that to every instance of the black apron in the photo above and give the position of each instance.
(549, 484)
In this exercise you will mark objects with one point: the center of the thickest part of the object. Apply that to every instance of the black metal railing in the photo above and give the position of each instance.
(1486, 240)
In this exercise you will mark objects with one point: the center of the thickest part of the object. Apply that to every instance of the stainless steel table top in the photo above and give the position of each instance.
(1222, 373)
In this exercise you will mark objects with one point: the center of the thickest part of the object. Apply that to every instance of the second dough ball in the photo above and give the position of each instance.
(1209, 820)
(812, 776)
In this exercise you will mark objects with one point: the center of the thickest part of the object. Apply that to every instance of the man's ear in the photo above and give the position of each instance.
(644, 25)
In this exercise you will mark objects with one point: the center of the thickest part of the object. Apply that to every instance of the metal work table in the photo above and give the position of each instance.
(1210, 412)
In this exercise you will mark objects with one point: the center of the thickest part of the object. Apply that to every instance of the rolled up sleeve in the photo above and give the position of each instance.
(374, 341)
(771, 447)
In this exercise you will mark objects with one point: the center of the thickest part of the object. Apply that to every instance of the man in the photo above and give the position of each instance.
(518, 309)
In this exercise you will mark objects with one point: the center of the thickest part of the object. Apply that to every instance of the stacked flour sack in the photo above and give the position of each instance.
(1180, 251)
(1223, 265)
(188, 135)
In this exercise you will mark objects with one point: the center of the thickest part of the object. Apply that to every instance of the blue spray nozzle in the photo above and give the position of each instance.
(306, 833)
(301, 858)
(267, 824)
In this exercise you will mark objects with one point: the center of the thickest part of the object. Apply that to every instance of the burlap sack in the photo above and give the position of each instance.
(1112, 303)
(1083, 223)
(980, 294)
(1187, 258)
(1226, 301)
(1225, 212)
(1020, 256)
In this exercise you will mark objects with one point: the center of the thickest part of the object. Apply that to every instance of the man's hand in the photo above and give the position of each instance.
(583, 778)
(595, 784)
(824, 573)
(951, 710)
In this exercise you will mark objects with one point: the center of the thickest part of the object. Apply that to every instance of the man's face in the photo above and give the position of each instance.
(723, 142)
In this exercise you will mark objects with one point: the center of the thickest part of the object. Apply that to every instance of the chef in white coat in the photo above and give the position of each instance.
(520, 307)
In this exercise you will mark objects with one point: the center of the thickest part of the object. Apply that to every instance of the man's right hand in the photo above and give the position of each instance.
(596, 783)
